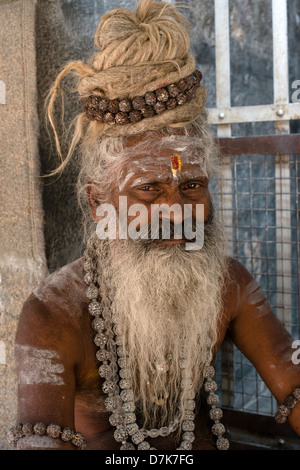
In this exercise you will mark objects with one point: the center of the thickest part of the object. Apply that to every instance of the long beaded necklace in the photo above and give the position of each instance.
(117, 385)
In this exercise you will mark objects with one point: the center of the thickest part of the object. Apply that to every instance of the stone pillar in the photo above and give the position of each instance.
(22, 253)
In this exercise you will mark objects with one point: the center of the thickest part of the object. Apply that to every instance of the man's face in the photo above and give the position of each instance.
(161, 296)
(165, 176)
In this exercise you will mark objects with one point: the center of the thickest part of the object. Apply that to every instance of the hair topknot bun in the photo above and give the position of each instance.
(136, 52)
(155, 31)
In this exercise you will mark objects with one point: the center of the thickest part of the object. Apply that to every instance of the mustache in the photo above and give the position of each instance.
(168, 230)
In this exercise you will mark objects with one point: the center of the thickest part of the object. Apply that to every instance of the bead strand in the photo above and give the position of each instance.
(101, 322)
(285, 409)
(215, 414)
(40, 429)
(126, 111)
(188, 425)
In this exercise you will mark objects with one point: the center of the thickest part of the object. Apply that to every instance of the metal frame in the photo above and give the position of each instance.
(223, 101)
(268, 144)
(282, 144)
(281, 111)
(268, 248)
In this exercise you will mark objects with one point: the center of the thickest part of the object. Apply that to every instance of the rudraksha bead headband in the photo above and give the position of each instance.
(127, 110)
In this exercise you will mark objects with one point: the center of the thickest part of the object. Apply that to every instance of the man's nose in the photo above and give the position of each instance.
(174, 205)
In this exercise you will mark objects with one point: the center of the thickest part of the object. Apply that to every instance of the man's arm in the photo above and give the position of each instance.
(46, 355)
(260, 336)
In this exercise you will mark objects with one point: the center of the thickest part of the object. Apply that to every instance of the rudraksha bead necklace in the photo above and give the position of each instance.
(117, 385)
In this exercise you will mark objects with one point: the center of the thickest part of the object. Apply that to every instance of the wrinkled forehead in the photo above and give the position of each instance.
(177, 155)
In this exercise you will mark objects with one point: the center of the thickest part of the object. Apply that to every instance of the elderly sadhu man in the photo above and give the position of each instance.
(114, 349)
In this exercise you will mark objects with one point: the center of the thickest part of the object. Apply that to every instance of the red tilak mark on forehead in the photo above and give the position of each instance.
(175, 162)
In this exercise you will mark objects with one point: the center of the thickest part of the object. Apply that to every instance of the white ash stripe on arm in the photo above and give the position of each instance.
(38, 366)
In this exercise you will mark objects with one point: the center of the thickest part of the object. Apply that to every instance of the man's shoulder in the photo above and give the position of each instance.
(53, 316)
(236, 282)
(62, 291)
(245, 288)
(238, 273)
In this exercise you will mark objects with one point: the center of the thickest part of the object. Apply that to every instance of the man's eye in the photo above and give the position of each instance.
(192, 186)
(147, 188)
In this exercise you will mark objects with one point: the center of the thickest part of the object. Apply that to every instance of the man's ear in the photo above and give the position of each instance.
(92, 193)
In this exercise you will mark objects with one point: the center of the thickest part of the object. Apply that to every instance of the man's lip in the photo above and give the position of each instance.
(173, 241)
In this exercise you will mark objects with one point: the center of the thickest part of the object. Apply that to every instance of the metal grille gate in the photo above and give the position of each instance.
(260, 202)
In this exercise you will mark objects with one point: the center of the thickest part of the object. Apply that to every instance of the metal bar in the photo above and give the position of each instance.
(280, 58)
(283, 241)
(278, 113)
(297, 213)
(222, 37)
(223, 99)
(282, 168)
(260, 145)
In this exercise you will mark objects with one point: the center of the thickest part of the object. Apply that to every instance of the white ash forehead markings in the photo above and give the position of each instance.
(163, 173)
(160, 164)
(38, 366)
(123, 181)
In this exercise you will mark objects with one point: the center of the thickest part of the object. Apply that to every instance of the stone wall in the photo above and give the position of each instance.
(22, 251)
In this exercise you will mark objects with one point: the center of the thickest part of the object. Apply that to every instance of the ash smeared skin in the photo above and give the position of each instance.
(38, 366)
(163, 175)
(158, 163)
(257, 298)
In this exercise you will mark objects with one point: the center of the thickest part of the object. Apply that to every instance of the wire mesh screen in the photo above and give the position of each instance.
(260, 205)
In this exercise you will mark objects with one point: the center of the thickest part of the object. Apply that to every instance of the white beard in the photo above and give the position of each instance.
(168, 303)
